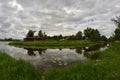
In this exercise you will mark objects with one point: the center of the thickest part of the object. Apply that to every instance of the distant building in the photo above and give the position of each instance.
(33, 39)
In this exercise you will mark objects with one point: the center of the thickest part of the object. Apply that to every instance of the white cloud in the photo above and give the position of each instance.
(56, 16)
(15, 4)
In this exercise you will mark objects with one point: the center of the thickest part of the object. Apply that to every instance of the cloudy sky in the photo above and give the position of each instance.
(64, 17)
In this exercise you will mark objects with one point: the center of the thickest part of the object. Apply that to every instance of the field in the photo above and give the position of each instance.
(99, 66)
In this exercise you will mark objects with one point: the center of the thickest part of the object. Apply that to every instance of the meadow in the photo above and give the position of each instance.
(100, 65)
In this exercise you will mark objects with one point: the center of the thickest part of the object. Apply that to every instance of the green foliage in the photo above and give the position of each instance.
(95, 35)
(92, 34)
(104, 38)
(60, 37)
(117, 34)
(56, 37)
(95, 55)
(41, 34)
(79, 35)
(8, 39)
(30, 33)
(111, 38)
(72, 37)
(87, 32)
(117, 31)
(11, 69)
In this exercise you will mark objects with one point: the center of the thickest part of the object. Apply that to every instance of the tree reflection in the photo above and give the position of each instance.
(78, 50)
(86, 50)
(31, 51)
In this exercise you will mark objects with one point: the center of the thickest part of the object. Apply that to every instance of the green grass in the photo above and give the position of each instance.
(53, 44)
(105, 67)
(11, 69)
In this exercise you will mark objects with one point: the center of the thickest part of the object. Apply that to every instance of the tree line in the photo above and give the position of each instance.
(9, 39)
(87, 34)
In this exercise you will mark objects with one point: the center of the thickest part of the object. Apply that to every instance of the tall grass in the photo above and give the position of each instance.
(11, 69)
(106, 68)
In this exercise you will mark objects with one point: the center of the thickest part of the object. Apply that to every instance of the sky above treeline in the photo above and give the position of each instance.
(56, 17)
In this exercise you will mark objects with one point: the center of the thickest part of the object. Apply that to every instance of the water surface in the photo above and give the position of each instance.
(43, 58)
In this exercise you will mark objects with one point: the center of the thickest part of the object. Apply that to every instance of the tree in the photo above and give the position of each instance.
(45, 35)
(72, 37)
(95, 35)
(111, 38)
(117, 34)
(60, 36)
(92, 34)
(117, 21)
(30, 33)
(55, 37)
(117, 31)
(87, 33)
(104, 38)
(79, 35)
(40, 34)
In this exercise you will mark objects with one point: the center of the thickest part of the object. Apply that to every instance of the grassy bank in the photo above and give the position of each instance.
(53, 44)
(11, 69)
(103, 66)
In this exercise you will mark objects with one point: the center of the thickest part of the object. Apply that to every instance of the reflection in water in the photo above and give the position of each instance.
(79, 50)
(31, 51)
(86, 50)
(43, 58)
(60, 49)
